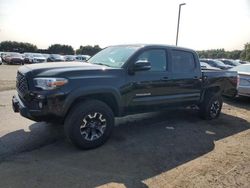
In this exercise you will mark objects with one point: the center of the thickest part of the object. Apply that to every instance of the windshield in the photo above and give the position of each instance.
(204, 64)
(242, 68)
(114, 56)
(219, 63)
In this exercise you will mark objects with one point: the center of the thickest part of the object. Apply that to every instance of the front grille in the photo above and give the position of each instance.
(21, 84)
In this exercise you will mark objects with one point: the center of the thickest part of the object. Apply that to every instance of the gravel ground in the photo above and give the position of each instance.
(161, 149)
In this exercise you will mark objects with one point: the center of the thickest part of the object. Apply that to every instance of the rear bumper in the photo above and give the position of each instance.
(244, 91)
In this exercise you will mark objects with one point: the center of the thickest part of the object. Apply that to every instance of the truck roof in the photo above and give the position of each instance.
(156, 46)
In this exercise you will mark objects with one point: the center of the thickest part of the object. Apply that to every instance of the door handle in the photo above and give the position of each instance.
(164, 78)
(198, 78)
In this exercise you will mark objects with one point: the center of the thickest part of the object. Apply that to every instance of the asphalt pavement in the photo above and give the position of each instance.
(18, 134)
(145, 149)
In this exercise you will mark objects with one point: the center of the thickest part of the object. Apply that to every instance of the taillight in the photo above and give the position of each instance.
(238, 81)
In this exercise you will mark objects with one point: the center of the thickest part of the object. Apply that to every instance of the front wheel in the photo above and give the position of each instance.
(211, 106)
(89, 124)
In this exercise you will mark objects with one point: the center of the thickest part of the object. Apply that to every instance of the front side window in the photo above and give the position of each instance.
(156, 57)
(182, 61)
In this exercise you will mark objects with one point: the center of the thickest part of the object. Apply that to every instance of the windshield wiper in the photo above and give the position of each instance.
(102, 64)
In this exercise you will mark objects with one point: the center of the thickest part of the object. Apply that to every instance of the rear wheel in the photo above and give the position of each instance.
(211, 106)
(89, 124)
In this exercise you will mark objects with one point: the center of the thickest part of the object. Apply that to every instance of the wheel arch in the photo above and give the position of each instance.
(209, 90)
(111, 97)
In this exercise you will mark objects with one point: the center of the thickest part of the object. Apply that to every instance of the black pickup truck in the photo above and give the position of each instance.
(117, 81)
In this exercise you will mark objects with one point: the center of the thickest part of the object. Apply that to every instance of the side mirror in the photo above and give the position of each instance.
(142, 65)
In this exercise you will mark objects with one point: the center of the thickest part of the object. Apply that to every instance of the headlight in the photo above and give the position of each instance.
(49, 83)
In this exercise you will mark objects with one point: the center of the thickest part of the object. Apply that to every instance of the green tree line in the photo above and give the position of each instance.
(221, 53)
(21, 47)
(89, 50)
(245, 54)
(13, 46)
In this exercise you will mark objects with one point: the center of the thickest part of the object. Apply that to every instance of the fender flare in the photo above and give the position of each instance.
(92, 90)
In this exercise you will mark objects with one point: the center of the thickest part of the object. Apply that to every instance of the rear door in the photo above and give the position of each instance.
(186, 79)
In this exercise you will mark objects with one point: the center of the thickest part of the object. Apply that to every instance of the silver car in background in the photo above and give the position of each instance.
(244, 79)
(34, 58)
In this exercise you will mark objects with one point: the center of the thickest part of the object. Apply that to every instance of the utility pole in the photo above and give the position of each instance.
(179, 15)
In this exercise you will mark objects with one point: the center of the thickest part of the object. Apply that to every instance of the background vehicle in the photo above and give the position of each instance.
(117, 81)
(216, 63)
(207, 66)
(244, 77)
(1, 61)
(14, 58)
(46, 56)
(55, 58)
(230, 62)
(27, 57)
(3, 55)
(242, 62)
(34, 58)
(70, 58)
(82, 58)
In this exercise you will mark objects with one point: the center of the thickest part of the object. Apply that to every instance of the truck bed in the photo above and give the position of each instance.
(226, 79)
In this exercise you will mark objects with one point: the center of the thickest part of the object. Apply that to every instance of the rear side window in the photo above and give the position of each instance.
(182, 61)
(157, 58)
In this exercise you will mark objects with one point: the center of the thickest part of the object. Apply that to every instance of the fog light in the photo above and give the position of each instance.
(40, 104)
(40, 97)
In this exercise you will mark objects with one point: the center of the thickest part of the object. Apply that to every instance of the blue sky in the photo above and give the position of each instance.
(205, 24)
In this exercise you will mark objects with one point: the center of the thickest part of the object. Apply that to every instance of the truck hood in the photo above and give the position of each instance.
(60, 68)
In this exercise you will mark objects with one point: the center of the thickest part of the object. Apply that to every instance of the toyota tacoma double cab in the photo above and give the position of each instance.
(118, 81)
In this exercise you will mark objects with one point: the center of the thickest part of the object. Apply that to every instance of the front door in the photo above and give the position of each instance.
(147, 90)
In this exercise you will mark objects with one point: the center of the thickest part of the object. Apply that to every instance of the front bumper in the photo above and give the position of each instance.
(39, 110)
(19, 106)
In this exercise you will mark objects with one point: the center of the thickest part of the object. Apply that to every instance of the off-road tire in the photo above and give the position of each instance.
(78, 114)
(211, 106)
